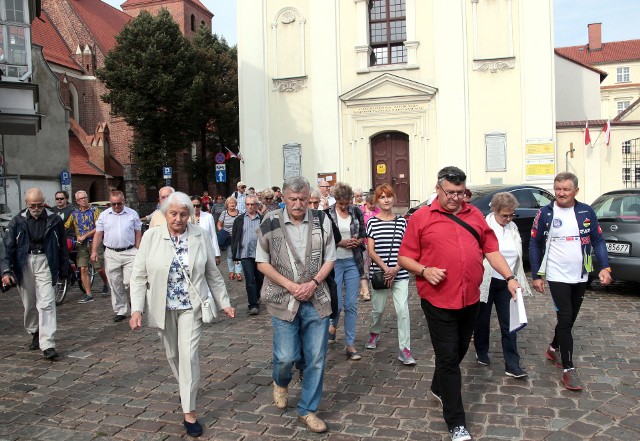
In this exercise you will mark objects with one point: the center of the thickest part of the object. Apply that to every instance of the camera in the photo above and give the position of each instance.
(6, 288)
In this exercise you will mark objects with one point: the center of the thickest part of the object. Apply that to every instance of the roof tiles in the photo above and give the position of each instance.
(611, 52)
(55, 50)
(103, 21)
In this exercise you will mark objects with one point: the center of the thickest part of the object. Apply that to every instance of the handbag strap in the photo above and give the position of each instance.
(393, 239)
(464, 225)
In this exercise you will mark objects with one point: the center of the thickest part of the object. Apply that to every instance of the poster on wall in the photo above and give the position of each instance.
(495, 144)
(540, 159)
(292, 160)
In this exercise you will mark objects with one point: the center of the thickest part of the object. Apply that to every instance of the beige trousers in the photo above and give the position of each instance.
(39, 299)
(181, 336)
(118, 266)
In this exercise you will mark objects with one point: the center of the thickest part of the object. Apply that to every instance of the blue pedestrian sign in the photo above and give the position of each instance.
(221, 176)
(166, 173)
(65, 178)
(219, 158)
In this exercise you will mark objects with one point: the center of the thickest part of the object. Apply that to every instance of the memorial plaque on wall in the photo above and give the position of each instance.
(495, 144)
(292, 160)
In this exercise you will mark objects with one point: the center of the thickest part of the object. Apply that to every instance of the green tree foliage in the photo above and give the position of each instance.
(148, 76)
(214, 98)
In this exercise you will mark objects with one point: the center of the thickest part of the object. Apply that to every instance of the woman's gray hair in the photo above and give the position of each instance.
(296, 184)
(342, 192)
(267, 193)
(503, 200)
(180, 199)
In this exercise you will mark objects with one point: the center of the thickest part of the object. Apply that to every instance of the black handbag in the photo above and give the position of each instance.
(377, 276)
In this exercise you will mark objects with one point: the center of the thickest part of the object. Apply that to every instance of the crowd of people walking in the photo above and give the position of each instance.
(307, 256)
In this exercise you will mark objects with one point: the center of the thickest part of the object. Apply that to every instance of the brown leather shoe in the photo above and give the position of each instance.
(280, 396)
(314, 423)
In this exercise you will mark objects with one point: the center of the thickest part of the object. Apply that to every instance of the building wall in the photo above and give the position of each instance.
(24, 154)
(612, 92)
(181, 12)
(598, 167)
(577, 91)
(471, 70)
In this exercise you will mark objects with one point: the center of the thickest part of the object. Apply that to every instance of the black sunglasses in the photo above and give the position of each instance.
(454, 178)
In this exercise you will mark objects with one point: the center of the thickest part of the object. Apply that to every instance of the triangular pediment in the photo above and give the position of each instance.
(388, 89)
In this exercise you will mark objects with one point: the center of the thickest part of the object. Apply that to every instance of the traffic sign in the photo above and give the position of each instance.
(65, 177)
(166, 172)
(219, 158)
(221, 167)
(221, 176)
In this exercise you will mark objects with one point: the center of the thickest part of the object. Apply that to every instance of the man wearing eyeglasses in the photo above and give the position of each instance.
(240, 196)
(120, 229)
(83, 219)
(35, 256)
(446, 257)
(243, 248)
(326, 200)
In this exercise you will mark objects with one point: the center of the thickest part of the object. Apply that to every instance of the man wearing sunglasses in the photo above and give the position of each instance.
(35, 256)
(120, 229)
(445, 245)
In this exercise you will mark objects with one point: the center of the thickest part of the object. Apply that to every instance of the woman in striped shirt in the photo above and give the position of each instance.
(384, 234)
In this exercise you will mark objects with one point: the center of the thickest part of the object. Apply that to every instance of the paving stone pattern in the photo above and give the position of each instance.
(116, 384)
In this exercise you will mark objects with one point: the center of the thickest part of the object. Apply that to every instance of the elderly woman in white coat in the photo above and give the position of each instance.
(493, 289)
(173, 271)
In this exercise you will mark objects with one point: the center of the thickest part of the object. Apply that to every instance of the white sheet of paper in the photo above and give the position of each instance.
(517, 313)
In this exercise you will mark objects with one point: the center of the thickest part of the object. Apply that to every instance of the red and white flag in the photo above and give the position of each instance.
(606, 130)
(587, 137)
(230, 155)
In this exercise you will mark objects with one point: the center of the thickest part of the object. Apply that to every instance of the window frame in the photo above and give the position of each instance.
(621, 107)
(623, 74)
(15, 70)
(389, 43)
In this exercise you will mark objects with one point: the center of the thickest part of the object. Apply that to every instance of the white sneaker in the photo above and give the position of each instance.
(406, 357)
(460, 433)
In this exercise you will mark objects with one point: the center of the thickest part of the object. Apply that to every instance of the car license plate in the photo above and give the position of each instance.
(618, 248)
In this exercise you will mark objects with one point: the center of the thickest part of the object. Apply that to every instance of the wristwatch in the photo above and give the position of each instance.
(511, 277)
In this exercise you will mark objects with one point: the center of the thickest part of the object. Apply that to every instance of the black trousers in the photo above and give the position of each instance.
(253, 280)
(450, 331)
(567, 298)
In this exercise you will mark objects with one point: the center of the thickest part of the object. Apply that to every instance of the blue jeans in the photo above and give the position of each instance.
(307, 334)
(500, 296)
(252, 280)
(231, 265)
(347, 275)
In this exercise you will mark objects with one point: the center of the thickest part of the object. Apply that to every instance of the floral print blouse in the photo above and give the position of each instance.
(177, 284)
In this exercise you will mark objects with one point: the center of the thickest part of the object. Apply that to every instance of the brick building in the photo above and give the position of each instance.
(76, 36)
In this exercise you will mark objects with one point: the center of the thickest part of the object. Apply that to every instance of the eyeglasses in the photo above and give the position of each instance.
(325, 186)
(197, 205)
(507, 216)
(452, 194)
(83, 197)
(250, 204)
(116, 204)
(40, 205)
(269, 199)
(60, 199)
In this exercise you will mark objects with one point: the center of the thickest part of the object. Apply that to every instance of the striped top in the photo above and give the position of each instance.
(382, 233)
(227, 221)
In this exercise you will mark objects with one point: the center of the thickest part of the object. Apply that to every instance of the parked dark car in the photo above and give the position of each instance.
(530, 198)
(619, 216)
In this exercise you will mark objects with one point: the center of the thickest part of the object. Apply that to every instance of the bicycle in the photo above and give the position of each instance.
(74, 274)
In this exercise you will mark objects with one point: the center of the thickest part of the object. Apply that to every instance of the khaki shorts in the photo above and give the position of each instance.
(84, 255)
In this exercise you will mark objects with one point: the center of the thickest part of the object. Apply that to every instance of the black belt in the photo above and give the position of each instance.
(117, 250)
(36, 251)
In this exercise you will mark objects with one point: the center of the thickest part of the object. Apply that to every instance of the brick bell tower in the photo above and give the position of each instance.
(189, 14)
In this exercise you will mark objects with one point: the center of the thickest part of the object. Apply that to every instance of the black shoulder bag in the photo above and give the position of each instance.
(377, 276)
(464, 225)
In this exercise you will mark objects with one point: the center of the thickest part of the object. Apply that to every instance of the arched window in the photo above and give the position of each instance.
(387, 31)
(193, 22)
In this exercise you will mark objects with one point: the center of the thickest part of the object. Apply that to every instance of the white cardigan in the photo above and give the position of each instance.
(519, 272)
(151, 272)
(208, 224)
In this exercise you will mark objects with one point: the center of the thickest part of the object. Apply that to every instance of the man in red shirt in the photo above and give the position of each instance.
(447, 260)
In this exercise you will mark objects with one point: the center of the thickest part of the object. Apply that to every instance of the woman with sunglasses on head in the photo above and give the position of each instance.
(493, 289)
(205, 220)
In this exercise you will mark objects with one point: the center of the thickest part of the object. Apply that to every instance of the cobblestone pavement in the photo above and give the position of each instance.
(112, 383)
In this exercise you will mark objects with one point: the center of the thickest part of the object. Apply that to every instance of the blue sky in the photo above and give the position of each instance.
(619, 18)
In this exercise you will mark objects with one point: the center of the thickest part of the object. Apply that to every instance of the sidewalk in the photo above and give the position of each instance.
(112, 383)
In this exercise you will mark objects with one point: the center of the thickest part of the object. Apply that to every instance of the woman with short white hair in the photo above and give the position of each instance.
(173, 272)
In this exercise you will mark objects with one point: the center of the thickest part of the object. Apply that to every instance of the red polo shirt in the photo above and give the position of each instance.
(434, 240)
